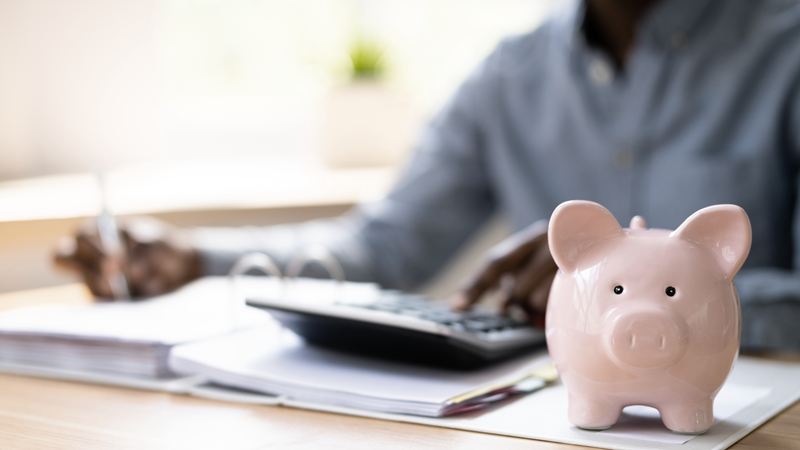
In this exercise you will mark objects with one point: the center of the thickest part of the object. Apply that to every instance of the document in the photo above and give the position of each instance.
(643, 422)
(128, 338)
(278, 362)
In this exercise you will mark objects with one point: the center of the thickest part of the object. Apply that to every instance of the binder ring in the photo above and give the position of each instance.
(245, 263)
(319, 254)
(255, 261)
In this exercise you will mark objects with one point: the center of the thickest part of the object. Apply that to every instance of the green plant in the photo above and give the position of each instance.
(366, 56)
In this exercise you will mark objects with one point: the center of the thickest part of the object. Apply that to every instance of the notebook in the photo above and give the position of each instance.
(277, 361)
(124, 338)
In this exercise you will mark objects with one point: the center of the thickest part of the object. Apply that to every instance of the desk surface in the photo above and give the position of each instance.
(258, 183)
(49, 414)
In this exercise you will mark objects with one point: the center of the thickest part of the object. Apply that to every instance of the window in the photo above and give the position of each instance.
(90, 84)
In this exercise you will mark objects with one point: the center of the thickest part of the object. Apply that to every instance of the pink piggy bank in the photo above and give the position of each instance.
(645, 317)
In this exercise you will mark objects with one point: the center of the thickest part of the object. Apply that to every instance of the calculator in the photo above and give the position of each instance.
(406, 327)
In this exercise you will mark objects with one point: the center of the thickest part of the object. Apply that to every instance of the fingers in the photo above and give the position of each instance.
(521, 269)
(505, 292)
(146, 270)
(540, 265)
(161, 266)
(97, 283)
(488, 276)
(82, 254)
(88, 250)
(82, 250)
(531, 296)
(506, 258)
(65, 253)
(540, 293)
(157, 259)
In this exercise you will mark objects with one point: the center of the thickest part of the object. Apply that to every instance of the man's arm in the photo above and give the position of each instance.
(400, 241)
(770, 297)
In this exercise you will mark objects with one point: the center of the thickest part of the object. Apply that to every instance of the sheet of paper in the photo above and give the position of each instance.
(284, 364)
(644, 423)
(207, 307)
(756, 390)
(128, 338)
(174, 384)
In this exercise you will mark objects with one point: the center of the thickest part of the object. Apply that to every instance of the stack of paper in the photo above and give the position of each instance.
(278, 362)
(131, 338)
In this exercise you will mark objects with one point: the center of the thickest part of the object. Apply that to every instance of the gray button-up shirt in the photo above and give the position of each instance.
(705, 111)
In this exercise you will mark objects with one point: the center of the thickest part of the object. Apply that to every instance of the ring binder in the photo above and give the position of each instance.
(255, 261)
(244, 264)
(320, 254)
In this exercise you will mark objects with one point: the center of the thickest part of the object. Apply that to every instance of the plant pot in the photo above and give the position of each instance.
(366, 124)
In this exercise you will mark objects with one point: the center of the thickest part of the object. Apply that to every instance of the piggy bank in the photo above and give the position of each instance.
(643, 316)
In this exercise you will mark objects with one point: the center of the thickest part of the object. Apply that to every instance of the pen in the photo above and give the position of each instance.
(111, 243)
(525, 383)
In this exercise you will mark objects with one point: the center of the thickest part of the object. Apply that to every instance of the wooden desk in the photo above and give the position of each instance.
(48, 414)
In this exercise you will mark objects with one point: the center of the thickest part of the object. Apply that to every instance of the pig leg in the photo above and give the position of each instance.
(592, 414)
(692, 418)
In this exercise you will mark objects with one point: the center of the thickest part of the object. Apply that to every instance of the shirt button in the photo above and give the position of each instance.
(623, 159)
(600, 72)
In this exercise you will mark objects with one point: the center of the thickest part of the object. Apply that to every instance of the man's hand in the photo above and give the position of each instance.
(158, 258)
(520, 269)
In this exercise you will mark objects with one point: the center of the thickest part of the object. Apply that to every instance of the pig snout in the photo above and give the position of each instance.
(645, 338)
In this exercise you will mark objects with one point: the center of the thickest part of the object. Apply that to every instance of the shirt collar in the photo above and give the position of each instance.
(674, 22)
(670, 23)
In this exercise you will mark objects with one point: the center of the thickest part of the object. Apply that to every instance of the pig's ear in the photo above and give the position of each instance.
(574, 227)
(722, 229)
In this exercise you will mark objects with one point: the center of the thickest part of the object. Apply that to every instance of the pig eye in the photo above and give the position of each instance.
(670, 291)
(618, 290)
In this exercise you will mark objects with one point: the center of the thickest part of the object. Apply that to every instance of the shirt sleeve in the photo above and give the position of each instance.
(442, 197)
(770, 297)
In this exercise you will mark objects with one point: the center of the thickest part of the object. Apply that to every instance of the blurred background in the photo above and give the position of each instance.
(219, 112)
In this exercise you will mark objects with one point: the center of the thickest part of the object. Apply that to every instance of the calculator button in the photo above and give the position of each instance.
(410, 312)
(383, 307)
(444, 316)
(476, 325)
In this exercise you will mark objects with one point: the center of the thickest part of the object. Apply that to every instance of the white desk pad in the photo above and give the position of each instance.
(756, 391)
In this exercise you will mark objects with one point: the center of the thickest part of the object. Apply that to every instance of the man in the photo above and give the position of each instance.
(649, 108)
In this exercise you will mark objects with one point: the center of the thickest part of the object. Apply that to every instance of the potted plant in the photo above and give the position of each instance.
(366, 123)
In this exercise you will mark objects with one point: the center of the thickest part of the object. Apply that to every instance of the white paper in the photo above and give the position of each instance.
(198, 310)
(644, 422)
(174, 384)
(131, 337)
(283, 364)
